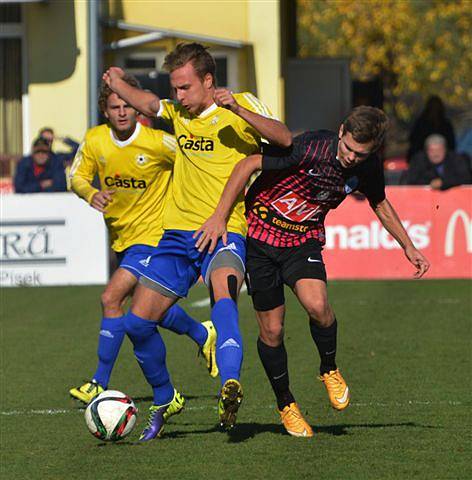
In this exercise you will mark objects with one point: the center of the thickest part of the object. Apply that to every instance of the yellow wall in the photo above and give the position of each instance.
(264, 34)
(252, 21)
(56, 40)
(224, 18)
(56, 46)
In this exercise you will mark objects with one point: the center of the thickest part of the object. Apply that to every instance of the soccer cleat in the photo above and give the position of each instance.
(158, 416)
(208, 350)
(294, 422)
(87, 392)
(338, 391)
(229, 402)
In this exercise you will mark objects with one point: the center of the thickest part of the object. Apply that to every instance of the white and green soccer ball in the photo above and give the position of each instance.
(111, 416)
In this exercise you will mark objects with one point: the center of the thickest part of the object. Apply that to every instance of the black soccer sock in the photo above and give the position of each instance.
(325, 340)
(274, 361)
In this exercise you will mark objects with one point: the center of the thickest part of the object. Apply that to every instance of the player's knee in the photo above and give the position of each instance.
(272, 334)
(110, 302)
(319, 311)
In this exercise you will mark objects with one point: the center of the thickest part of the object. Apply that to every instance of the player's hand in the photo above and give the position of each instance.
(102, 199)
(113, 74)
(418, 260)
(436, 184)
(224, 98)
(46, 183)
(209, 233)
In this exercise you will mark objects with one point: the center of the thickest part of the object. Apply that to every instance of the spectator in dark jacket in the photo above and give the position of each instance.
(48, 134)
(431, 120)
(42, 171)
(437, 167)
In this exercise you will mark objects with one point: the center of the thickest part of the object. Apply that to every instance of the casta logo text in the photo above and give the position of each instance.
(196, 144)
(125, 182)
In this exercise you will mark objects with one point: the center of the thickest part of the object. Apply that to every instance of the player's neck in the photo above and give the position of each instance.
(208, 102)
(123, 136)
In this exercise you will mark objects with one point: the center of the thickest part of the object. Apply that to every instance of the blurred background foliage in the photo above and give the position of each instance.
(415, 47)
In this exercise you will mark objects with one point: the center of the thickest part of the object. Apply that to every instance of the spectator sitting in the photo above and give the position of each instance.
(42, 171)
(432, 120)
(437, 167)
(47, 133)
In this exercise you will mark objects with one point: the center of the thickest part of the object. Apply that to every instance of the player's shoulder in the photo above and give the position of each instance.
(150, 132)
(316, 135)
(97, 133)
(244, 96)
(169, 105)
(157, 135)
(250, 101)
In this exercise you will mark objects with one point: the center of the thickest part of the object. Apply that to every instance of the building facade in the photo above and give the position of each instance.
(53, 53)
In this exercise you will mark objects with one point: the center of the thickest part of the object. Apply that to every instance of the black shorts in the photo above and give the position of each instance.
(269, 268)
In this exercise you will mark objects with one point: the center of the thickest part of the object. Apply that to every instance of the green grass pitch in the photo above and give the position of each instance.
(403, 347)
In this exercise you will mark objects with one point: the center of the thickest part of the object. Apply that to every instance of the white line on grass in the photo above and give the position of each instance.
(206, 301)
(62, 411)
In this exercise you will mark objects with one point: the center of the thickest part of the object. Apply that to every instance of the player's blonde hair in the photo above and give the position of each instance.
(196, 53)
(106, 91)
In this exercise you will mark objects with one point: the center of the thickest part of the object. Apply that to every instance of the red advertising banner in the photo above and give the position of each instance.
(439, 223)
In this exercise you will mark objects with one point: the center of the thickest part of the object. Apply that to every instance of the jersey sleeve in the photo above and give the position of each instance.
(276, 158)
(83, 171)
(372, 183)
(252, 103)
(166, 110)
(169, 146)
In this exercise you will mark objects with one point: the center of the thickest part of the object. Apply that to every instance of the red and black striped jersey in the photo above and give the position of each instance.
(288, 202)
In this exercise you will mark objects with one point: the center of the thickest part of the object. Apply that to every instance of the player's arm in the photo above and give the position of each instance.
(215, 227)
(145, 102)
(390, 220)
(274, 131)
(272, 159)
(82, 173)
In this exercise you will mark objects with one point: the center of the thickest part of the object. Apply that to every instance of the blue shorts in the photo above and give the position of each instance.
(135, 258)
(176, 264)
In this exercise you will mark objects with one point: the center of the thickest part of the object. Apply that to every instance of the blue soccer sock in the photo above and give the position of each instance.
(150, 352)
(111, 336)
(178, 321)
(229, 345)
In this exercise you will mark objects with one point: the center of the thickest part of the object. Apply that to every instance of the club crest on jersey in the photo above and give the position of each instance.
(102, 159)
(351, 185)
(141, 159)
(195, 143)
(322, 195)
(260, 210)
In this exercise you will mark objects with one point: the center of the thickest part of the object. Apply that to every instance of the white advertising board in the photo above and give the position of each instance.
(51, 239)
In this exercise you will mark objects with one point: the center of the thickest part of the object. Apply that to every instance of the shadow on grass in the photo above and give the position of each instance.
(245, 431)
(185, 395)
(240, 433)
(342, 429)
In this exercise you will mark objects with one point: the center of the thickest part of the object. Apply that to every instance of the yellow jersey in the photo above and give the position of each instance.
(138, 170)
(208, 147)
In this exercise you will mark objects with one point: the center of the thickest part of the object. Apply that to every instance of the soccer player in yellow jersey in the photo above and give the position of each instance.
(134, 164)
(214, 129)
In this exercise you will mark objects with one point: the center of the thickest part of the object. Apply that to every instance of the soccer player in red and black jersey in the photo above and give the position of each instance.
(286, 207)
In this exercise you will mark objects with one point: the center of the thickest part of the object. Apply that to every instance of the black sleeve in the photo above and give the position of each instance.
(275, 158)
(372, 182)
